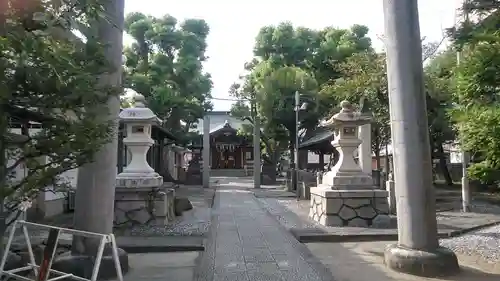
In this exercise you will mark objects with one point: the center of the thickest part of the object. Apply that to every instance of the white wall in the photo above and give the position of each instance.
(314, 158)
(70, 175)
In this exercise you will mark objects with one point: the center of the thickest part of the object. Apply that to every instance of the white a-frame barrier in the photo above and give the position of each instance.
(43, 272)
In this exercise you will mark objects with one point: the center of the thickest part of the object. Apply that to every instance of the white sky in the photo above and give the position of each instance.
(234, 25)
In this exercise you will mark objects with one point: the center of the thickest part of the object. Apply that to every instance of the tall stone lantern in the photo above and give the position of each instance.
(347, 195)
(140, 196)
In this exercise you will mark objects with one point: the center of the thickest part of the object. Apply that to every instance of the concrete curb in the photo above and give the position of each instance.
(168, 244)
(161, 249)
(318, 237)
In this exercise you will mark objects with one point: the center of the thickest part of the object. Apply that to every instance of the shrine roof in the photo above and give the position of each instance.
(220, 119)
(319, 135)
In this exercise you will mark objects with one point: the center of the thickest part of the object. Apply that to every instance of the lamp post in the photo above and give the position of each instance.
(295, 173)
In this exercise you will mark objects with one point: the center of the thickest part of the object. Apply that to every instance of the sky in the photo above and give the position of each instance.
(235, 24)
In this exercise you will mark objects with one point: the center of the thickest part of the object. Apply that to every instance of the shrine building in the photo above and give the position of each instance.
(228, 148)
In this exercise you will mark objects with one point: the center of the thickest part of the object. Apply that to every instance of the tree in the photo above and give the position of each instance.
(364, 77)
(165, 65)
(476, 99)
(276, 98)
(272, 146)
(284, 57)
(477, 109)
(440, 86)
(50, 73)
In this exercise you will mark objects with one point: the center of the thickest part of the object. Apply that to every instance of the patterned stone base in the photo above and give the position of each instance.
(143, 206)
(357, 208)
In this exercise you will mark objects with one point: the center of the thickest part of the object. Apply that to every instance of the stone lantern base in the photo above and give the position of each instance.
(349, 207)
(143, 205)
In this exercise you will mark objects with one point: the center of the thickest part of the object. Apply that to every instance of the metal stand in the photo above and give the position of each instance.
(44, 271)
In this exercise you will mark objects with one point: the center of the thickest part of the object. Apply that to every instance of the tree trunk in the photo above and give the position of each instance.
(94, 206)
(293, 161)
(375, 145)
(387, 164)
(377, 159)
(442, 165)
(3, 174)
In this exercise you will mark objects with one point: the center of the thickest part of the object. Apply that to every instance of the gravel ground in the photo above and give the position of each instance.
(195, 222)
(484, 243)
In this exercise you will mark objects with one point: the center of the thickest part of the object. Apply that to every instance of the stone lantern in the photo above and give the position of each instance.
(140, 197)
(347, 195)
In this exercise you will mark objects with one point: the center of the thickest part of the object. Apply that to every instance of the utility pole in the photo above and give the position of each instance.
(417, 251)
(465, 155)
(295, 171)
(205, 154)
(256, 145)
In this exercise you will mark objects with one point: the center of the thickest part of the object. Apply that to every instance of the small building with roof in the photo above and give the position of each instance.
(228, 148)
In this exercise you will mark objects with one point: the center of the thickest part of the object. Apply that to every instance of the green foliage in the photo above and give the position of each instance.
(47, 71)
(276, 95)
(440, 87)
(483, 29)
(479, 128)
(364, 77)
(165, 65)
(478, 81)
(476, 112)
(479, 75)
(289, 59)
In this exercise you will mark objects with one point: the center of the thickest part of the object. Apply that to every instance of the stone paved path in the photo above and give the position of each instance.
(246, 243)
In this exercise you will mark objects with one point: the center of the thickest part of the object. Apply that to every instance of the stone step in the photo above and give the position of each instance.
(230, 173)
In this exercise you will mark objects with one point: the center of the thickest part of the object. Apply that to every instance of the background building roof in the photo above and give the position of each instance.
(218, 120)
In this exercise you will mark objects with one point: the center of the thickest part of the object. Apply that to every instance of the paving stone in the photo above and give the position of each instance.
(263, 267)
(232, 266)
(265, 276)
(232, 276)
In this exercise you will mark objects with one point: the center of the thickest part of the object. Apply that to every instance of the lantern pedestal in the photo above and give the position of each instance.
(347, 196)
(143, 205)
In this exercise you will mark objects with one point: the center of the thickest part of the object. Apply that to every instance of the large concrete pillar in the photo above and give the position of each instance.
(417, 251)
(95, 194)
(256, 153)
(365, 148)
(206, 151)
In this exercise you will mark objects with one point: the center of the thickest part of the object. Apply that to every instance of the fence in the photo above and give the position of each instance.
(44, 271)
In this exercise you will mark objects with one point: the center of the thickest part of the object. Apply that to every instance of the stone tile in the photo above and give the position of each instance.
(276, 249)
(258, 256)
(222, 260)
(230, 266)
(230, 248)
(300, 275)
(265, 276)
(232, 276)
(263, 267)
(289, 262)
(254, 243)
